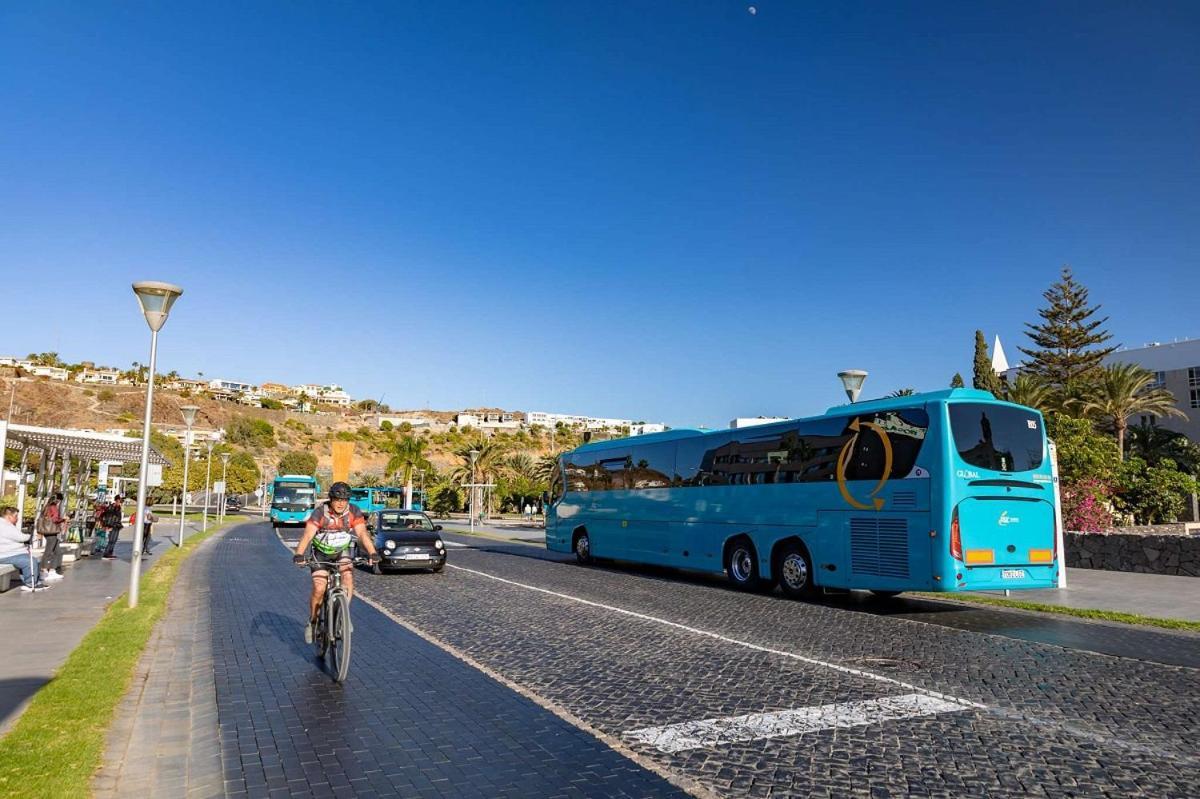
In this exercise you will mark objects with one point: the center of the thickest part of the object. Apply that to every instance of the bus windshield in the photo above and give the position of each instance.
(997, 437)
(294, 495)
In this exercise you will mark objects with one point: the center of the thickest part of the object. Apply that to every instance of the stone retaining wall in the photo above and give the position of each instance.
(1133, 552)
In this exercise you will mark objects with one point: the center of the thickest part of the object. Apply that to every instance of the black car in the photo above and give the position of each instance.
(407, 539)
(233, 503)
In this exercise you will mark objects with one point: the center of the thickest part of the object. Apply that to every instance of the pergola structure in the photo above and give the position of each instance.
(61, 449)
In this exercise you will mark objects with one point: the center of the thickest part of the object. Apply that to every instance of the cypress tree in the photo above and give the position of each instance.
(957, 381)
(1067, 347)
(984, 378)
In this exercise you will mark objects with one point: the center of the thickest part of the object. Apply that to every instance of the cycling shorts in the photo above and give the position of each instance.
(342, 557)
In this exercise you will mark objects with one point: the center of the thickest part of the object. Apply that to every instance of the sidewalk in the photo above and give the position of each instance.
(1160, 595)
(43, 628)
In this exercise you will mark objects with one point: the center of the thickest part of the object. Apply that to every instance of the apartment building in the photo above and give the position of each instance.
(1176, 367)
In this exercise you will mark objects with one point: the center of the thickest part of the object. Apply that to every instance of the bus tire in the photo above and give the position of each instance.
(581, 545)
(741, 564)
(794, 571)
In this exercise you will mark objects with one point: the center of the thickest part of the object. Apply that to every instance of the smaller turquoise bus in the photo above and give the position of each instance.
(370, 499)
(293, 497)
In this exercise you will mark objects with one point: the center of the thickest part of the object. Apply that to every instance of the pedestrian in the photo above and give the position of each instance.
(528, 512)
(50, 524)
(147, 526)
(113, 521)
(15, 550)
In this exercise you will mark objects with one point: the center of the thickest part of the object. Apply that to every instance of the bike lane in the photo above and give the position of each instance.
(411, 720)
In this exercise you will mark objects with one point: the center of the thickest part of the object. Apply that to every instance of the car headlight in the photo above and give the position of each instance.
(438, 543)
(389, 545)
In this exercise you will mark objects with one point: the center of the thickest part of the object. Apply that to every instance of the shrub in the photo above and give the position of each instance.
(1087, 506)
(298, 462)
(248, 432)
(106, 395)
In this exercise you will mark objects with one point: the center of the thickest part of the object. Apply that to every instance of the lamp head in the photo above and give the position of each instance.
(156, 300)
(189, 414)
(852, 381)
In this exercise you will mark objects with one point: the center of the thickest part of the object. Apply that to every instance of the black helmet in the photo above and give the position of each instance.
(339, 490)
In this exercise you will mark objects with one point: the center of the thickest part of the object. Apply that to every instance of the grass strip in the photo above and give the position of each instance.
(56, 746)
(1082, 613)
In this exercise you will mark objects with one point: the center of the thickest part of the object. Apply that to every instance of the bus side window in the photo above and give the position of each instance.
(653, 465)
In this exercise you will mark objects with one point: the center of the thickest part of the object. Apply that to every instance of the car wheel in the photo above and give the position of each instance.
(438, 568)
(741, 564)
(794, 571)
(583, 547)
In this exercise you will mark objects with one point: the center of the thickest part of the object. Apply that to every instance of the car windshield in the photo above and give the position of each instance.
(997, 437)
(405, 521)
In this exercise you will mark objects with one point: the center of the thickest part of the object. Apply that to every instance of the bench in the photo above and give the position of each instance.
(9, 577)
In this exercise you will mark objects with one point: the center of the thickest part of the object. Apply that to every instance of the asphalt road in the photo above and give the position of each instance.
(754, 695)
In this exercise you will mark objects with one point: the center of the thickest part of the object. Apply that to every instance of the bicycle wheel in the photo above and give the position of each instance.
(321, 634)
(339, 633)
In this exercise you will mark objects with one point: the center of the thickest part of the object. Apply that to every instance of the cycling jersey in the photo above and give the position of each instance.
(335, 531)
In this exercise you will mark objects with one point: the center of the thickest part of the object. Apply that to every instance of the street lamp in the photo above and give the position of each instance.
(224, 484)
(421, 489)
(852, 381)
(474, 491)
(207, 483)
(189, 419)
(156, 300)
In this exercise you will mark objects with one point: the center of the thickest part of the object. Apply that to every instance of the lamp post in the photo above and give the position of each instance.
(156, 300)
(474, 491)
(421, 489)
(224, 485)
(852, 381)
(189, 418)
(207, 483)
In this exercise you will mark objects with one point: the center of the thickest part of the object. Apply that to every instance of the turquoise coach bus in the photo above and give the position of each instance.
(293, 497)
(945, 491)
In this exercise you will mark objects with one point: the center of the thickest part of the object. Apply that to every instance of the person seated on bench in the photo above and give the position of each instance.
(14, 550)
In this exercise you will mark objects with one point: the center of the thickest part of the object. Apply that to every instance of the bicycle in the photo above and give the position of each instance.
(332, 633)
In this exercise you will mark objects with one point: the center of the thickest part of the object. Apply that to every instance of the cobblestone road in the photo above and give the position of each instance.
(1053, 721)
(411, 721)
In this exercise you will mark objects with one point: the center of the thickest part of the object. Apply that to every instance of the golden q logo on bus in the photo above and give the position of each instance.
(876, 502)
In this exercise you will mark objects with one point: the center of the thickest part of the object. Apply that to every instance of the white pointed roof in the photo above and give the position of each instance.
(999, 360)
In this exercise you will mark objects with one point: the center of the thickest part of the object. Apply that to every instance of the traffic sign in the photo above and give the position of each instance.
(219, 487)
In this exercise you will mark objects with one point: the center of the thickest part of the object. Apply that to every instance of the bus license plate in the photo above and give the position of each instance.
(1012, 574)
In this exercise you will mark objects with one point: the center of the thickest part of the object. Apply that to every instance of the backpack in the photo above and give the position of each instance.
(111, 516)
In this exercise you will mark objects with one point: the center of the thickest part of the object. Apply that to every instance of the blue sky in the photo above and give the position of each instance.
(670, 211)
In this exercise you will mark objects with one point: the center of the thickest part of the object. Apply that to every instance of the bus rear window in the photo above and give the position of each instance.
(997, 437)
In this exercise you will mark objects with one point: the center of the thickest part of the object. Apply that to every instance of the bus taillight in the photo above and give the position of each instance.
(955, 537)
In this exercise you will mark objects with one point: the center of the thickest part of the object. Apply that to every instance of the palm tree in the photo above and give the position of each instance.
(1125, 389)
(1152, 443)
(488, 462)
(1031, 391)
(408, 455)
(901, 392)
(546, 468)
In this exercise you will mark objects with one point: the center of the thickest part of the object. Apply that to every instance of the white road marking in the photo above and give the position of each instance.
(755, 726)
(746, 644)
(453, 543)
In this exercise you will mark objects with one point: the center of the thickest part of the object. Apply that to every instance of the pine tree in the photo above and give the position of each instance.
(985, 378)
(957, 381)
(1067, 349)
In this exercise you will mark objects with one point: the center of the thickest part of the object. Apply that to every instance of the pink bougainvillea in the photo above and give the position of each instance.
(1086, 506)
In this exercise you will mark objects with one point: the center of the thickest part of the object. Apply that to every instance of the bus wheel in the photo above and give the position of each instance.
(583, 547)
(795, 572)
(741, 564)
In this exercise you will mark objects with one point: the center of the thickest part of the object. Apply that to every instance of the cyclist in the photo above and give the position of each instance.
(330, 529)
